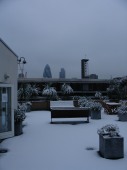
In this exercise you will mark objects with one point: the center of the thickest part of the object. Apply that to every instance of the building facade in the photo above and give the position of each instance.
(84, 68)
(8, 89)
(62, 73)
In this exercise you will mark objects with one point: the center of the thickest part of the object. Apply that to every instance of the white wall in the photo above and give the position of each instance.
(9, 66)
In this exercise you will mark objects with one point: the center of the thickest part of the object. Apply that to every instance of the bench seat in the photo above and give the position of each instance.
(69, 112)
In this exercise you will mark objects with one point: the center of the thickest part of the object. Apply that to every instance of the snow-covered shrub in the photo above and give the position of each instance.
(66, 89)
(76, 97)
(20, 93)
(109, 129)
(98, 94)
(22, 107)
(19, 113)
(122, 110)
(27, 91)
(50, 92)
(117, 88)
(83, 102)
(35, 90)
(28, 103)
(96, 106)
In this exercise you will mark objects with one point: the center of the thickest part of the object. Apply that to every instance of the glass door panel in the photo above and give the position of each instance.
(5, 109)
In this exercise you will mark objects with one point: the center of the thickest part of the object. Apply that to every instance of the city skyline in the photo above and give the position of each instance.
(61, 33)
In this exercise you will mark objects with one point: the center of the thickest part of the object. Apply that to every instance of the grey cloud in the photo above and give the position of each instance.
(60, 33)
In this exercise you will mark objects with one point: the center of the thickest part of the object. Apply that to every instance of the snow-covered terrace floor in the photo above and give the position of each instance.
(45, 146)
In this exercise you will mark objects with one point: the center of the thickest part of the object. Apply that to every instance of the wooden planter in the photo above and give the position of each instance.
(111, 147)
(18, 128)
(95, 114)
(40, 105)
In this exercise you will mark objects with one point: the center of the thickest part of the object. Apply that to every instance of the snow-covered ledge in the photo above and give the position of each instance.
(62, 103)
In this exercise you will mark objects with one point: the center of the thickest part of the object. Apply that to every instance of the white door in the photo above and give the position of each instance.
(6, 111)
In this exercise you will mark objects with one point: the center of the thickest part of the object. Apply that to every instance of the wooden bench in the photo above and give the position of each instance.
(69, 112)
(105, 106)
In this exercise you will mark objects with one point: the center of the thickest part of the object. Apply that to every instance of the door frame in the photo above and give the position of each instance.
(10, 133)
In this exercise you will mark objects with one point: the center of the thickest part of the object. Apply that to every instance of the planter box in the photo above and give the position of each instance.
(75, 103)
(111, 147)
(122, 117)
(18, 128)
(28, 108)
(40, 105)
(95, 114)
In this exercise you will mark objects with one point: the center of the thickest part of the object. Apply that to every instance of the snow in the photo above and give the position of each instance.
(60, 146)
(113, 103)
(61, 103)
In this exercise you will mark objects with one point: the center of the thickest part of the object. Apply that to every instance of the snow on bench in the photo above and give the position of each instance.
(61, 103)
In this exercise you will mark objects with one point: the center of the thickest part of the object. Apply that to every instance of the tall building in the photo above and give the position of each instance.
(62, 73)
(84, 68)
(47, 72)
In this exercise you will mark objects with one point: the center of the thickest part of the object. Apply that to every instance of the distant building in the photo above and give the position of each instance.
(93, 76)
(84, 68)
(47, 72)
(62, 73)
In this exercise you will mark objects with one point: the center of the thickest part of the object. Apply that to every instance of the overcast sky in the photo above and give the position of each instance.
(62, 32)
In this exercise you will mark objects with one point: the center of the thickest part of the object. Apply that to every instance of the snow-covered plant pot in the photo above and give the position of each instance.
(95, 110)
(122, 113)
(28, 105)
(95, 107)
(95, 114)
(75, 101)
(19, 117)
(111, 144)
(18, 128)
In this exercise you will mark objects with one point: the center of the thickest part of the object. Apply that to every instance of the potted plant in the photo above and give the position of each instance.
(48, 93)
(75, 101)
(95, 110)
(83, 102)
(19, 117)
(28, 105)
(110, 142)
(122, 112)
